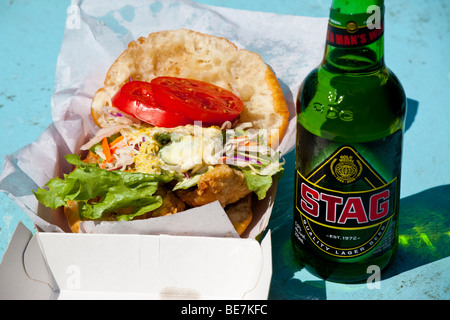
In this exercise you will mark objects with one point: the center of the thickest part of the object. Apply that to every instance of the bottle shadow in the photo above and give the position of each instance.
(424, 230)
(412, 106)
(424, 237)
(285, 285)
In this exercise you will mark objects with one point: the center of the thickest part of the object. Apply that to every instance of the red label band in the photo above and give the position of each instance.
(353, 36)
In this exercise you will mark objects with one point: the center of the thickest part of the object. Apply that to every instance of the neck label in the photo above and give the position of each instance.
(355, 30)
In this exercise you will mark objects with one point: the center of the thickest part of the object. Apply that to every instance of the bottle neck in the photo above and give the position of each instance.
(355, 37)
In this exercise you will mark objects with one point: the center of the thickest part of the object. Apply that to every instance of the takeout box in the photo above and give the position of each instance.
(74, 266)
(155, 258)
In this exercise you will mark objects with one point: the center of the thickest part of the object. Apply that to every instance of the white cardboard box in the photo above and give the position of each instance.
(103, 266)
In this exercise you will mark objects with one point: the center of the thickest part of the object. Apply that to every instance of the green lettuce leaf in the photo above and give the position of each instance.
(187, 183)
(260, 184)
(99, 191)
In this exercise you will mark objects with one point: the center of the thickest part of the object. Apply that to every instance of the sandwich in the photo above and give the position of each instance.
(185, 119)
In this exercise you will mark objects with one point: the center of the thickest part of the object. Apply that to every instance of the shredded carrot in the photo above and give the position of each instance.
(113, 145)
(223, 159)
(248, 143)
(107, 151)
(116, 141)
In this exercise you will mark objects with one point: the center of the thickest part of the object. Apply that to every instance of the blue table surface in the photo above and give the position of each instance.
(417, 43)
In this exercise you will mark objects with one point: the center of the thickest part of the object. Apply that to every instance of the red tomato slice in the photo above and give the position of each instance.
(196, 100)
(136, 99)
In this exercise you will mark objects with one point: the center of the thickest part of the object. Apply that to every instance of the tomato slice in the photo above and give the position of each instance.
(136, 99)
(196, 100)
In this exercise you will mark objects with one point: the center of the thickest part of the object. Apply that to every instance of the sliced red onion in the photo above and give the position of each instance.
(115, 169)
(246, 159)
(116, 114)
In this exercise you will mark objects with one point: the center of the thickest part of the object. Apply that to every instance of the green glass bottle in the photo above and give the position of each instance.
(350, 123)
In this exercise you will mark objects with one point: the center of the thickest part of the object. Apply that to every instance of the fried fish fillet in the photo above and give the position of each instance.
(223, 183)
(170, 205)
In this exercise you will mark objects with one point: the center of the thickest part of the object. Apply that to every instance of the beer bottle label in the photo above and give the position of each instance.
(345, 206)
(351, 31)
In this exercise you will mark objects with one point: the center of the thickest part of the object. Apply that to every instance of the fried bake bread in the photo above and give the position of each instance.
(193, 55)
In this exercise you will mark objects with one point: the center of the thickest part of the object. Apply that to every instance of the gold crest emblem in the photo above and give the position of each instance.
(351, 27)
(346, 171)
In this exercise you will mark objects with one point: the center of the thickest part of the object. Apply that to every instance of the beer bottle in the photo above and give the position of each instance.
(350, 119)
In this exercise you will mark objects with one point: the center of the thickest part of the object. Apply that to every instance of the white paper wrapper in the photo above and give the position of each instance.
(97, 32)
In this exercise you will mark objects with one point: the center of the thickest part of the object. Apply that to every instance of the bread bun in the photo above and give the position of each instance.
(193, 55)
(240, 214)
